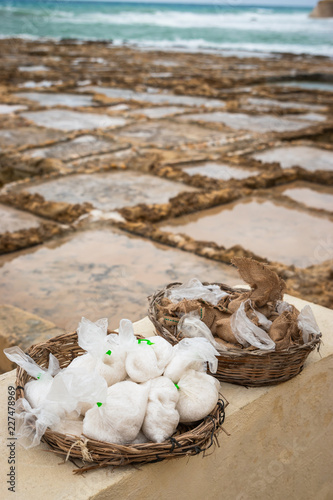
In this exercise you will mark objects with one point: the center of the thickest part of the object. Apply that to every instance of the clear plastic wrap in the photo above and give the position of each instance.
(191, 326)
(198, 395)
(35, 390)
(194, 289)
(59, 410)
(282, 306)
(247, 333)
(263, 321)
(31, 423)
(103, 355)
(120, 418)
(161, 417)
(76, 389)
(194, 354)
(308, 324)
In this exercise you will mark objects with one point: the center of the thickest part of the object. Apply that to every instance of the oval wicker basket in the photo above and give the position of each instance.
(189, 439)
(251, 368)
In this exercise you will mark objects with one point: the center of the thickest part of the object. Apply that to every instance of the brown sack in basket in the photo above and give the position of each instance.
(285, 330)
(280, 327)
(224, 331)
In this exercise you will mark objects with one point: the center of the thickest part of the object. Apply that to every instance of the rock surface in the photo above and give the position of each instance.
(323, 9)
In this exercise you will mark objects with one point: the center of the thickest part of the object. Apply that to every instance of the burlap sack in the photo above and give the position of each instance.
(266, 286)
(223, 331)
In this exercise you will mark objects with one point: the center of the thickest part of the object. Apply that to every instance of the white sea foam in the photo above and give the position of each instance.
(261, 20)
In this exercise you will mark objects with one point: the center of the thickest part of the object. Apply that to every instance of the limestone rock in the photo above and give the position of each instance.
(18, 327)
(323, 9)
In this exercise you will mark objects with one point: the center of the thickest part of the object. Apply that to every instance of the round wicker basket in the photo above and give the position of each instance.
(189, 439)
(251, 368)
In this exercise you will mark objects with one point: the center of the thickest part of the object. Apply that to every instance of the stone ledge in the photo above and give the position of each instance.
(22, 328)
(279, 446)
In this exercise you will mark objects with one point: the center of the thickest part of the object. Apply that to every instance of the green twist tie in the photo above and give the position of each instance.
(145, 340)
(177, 386)
(108, 352)
(39, 376)
(99, 404)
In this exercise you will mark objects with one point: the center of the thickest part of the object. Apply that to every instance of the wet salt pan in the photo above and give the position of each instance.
(84, 145)
(309, 158)
(55, 99)
(72, 120)
(220, 171)
(260, 123)
(108, 268)
(10, 108)
(108, 191)
(267, 229)
(14, 220)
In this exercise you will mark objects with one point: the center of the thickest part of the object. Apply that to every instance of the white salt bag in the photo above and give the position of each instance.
(108, 360)
(35, 390)
(76, 389)
(198, 395)
(163, 351)
(119, 419)
(194, 354)
(161, 417)
(141, 363)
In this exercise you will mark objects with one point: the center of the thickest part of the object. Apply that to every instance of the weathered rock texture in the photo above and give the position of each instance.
(324, 8)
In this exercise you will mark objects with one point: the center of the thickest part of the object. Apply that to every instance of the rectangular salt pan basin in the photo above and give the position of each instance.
(94, 271)
(84, 145)
(220, 171)
(157, 98)
(108, 191)
(72, 120)
(269, 230)
(55, 99)
(258, 123)
(309, 158)
(315, 197)
(13, 220)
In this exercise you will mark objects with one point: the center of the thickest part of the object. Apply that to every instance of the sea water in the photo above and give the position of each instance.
(216, 25)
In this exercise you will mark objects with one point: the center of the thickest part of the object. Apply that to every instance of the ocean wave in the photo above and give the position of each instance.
(294, 22)
(201, 45)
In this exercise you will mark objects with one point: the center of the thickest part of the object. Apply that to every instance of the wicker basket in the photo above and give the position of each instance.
(189, 439)
(250, 368)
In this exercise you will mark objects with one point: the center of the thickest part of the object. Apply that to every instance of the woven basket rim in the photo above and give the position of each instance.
(199, 437)
(233, 352)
